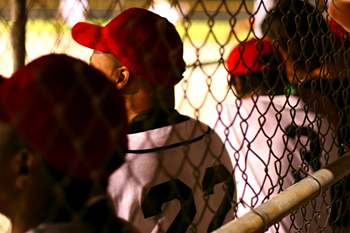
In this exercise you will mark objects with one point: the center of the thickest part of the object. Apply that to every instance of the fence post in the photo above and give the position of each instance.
(19, 18)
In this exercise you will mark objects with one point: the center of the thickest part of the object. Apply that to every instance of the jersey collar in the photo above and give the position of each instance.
(155, 119)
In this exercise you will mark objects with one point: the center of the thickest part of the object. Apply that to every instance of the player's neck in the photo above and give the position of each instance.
(139, 104)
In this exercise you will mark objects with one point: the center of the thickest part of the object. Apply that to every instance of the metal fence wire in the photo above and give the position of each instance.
(277, 127)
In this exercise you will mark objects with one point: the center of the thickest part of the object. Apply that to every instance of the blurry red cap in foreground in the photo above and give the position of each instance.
(69, 113)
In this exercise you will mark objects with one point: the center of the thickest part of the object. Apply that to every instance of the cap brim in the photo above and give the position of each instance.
(89, 35)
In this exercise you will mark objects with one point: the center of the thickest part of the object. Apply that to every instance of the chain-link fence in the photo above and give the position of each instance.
(272, 135)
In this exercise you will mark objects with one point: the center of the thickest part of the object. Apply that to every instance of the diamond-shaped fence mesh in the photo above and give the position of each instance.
(277, 127)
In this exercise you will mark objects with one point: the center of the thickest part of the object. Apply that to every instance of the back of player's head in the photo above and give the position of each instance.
(145, 43)
(256, 64)
(11, 142)
(69, 113)
(299, 29)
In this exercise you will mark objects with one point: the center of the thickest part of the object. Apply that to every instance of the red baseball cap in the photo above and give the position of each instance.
(69, 113)
(147, 44)
(248, 56)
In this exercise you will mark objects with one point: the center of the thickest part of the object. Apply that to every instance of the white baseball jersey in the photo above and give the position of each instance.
(268, 140)
(175, 179)
(165, 10)
(261, 8)
(73, 11)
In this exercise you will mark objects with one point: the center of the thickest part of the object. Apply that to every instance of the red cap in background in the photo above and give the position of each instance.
(248, 56)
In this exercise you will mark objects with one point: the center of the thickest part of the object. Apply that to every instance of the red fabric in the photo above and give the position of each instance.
(246, 57)
(68, 112)
(147, 44)
(91, 34)
(3, 113)
(338, 30)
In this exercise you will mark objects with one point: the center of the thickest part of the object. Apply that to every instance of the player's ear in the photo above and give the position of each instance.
(127, 82)
(236, 83)
(24, 166)
(122, 76)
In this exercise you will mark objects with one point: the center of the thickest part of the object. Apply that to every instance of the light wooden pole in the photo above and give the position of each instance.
(279, 206)
(19, 19)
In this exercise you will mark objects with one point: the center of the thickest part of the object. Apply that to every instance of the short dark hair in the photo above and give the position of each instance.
(299, 28)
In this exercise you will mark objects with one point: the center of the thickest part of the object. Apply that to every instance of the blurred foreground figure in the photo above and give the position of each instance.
(339, 10)
(269, 134)
(302, 42)
(177, 176)
(63, 132)
(315, 53)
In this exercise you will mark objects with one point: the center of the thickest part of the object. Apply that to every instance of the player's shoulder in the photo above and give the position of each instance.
(197, 130)
(191, 126)
(208, 135)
